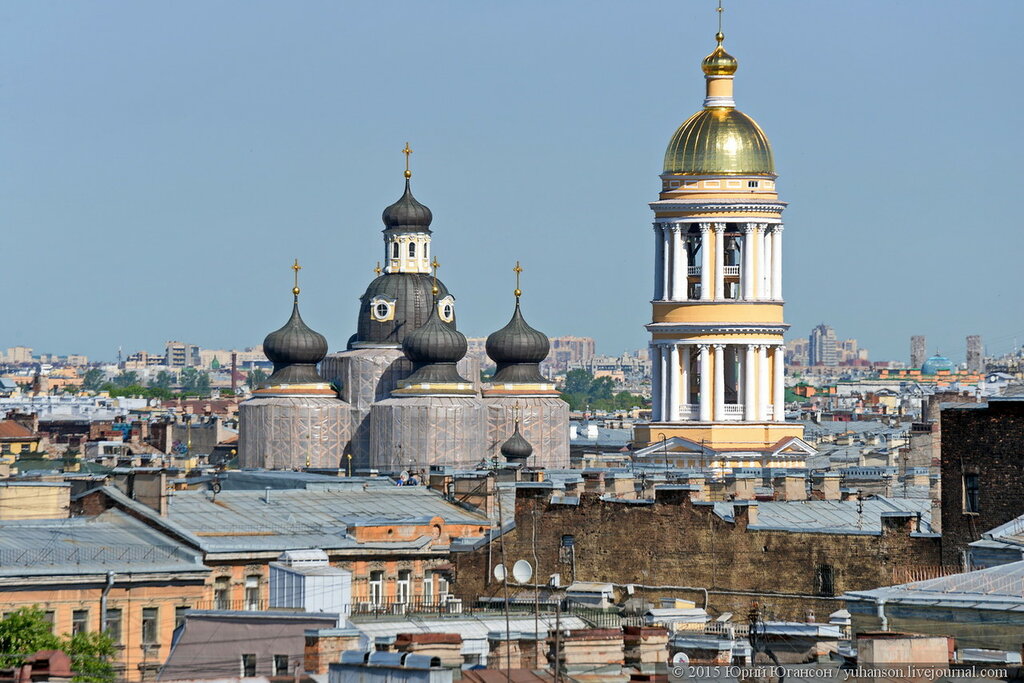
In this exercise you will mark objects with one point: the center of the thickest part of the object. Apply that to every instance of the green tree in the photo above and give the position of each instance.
(93, 379)
(26, 631)
(601, 388)
(163, 380)
(195, 381)
(578, 382)
(255, 378)
(126, 379)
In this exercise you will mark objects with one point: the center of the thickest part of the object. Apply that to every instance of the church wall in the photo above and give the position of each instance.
(544, 422)
(277, 432)
(427, 430)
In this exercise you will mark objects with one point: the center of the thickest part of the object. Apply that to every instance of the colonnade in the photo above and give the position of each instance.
(759, 272)
(691, 382)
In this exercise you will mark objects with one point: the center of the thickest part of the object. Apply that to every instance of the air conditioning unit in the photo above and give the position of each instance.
(555, 580)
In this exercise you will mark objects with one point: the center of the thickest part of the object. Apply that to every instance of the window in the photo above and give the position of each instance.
(150, 631)
(382, 310)
(428, 588)
(377, 587)
(972, 493)
(403, 586)
(5, 449)
(442, 587)
(252, 592)
(280, 665)
(179, 615)
(752, 183)
(114, 625)
(48, 617)
(394, 250)
(79, 621)
(412, 250)
(248, 667)
(222, 593)
(826, 579)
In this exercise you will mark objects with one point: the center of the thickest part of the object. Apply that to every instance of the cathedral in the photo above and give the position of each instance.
(717, 328)
(402, 395)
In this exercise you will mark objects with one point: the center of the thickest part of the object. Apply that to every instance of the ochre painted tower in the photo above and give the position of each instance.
(717, 327)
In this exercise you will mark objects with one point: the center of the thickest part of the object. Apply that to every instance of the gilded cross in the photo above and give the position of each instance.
(377, 270)
(407, 151)
(296, 267)
(517, 270)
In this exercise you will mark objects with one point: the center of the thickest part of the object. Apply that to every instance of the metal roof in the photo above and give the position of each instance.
(255, 521)
(838, 516)
(997, 588)
(78, 546)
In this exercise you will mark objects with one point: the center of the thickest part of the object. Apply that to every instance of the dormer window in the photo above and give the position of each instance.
(394, 250)
(382, 309)
(446, 309)
(412, 250)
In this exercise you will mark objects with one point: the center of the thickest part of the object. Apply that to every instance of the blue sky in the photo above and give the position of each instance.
(161, 164)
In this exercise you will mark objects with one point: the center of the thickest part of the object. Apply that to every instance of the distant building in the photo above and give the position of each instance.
(822, 346)
(18, 354)
(566, 351)
(182, 355)
(917, 351)
(975, 355)
(797, 351)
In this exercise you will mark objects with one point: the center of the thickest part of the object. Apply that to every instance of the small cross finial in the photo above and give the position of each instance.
(435, 264)
(377, 269)
(407, 151)
(295, 290)
(515, 414)
(518, 270)
(720, 37)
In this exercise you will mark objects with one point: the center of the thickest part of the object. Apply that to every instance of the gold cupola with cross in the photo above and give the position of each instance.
(717, 324)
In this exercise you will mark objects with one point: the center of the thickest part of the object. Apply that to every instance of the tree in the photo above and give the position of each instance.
(195, 381)
(601, 388)
(578, 382)
(25, 631)
(255, 378)
(126, 379)
(92, 380)
(163, 380)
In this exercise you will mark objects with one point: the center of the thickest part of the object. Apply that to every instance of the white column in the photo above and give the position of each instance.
(762, 382)
(777, 263)
(705, 383)
(673, 383)
(655, 350)
(666, 379)
(779, 384)
(719, 390)
(749, 238)
(666, 264)
(705, 262)
(719, 261)
(749, 385)
(684, 377)
(679, 264)
(765, 262)
(659, 262)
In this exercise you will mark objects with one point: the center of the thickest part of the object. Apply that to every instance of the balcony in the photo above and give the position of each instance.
(693, 271)
(689, 411)
(732, 271)
(444, 604)
(733, 412)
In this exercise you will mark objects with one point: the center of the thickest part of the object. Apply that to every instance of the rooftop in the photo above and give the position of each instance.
(997, 588)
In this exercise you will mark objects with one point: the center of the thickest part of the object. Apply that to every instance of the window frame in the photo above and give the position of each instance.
(149, 626)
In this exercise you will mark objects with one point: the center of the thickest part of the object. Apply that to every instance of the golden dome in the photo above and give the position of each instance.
(719, 141)
(719, 62)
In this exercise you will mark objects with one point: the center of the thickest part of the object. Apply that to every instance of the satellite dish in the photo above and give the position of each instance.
(522, 571)
(680, 659)
(499, 572)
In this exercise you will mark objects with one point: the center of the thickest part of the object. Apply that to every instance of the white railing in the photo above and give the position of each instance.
(693, 270)
(733, 412)
(689, 411)
(732, 271)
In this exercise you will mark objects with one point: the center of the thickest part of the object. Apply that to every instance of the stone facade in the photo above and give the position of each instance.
(983, 449)
(673, 542)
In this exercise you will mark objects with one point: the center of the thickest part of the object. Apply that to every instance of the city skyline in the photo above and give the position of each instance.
(198, 158)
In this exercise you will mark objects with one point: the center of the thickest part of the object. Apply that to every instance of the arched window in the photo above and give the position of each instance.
(394, 250)
(412, 250)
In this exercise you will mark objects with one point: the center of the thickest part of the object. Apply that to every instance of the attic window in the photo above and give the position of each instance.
(752, 183)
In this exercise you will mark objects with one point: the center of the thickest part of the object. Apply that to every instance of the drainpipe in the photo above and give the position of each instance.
(880, 611)
(103, 601)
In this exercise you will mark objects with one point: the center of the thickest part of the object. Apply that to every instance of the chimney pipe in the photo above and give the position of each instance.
(266, 495)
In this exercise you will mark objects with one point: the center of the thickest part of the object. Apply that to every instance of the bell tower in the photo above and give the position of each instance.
(717, 326)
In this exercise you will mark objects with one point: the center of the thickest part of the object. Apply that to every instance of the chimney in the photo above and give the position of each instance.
(743, 486)
(827, 485)
(794, 487)
(234, 369)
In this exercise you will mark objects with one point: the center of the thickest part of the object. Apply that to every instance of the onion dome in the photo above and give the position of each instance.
(407, 214)
(516, 449)
(434, 349)
(719, 62)
(518, 349)
(411, 296)
(295, 349)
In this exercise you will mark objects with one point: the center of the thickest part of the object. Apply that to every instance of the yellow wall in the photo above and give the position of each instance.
(717, 312)
(34, 502)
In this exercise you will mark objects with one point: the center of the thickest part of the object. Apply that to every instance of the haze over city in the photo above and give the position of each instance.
(163, 164)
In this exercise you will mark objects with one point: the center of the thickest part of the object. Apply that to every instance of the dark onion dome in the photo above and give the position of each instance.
(407, 214)
(518, 349)
(516, 449)
(413, 300)
(434, 349)
(295, 350)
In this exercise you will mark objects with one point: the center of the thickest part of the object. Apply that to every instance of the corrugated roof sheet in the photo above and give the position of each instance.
(996, 588)
(111, 541)
(838, 516)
